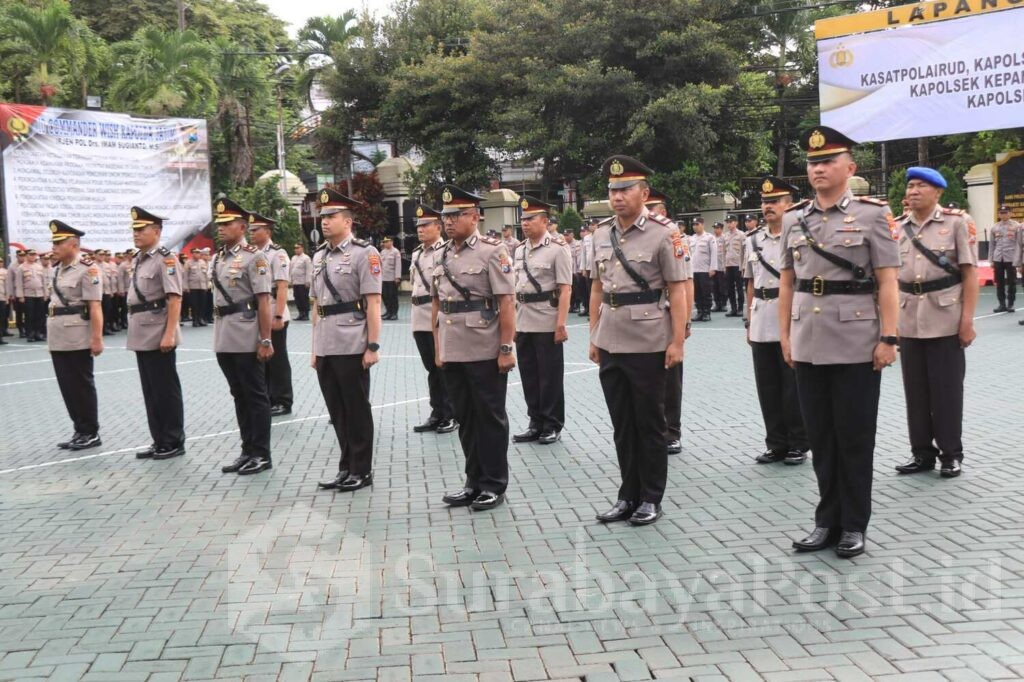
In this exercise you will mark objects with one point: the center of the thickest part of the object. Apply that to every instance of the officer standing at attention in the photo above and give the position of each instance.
(718, 283)
(300, 269)
(938, 294)
(13, 274)
(785, 437)
(704, 263)
(425, 259)
(75, 333)
(197, 283)
(635, 339)
(1003, 253)
(508, 238)
(473, 317)
(31, 292)
(5, 317)
(241, 333)
(124, 283)
(841, 252)
(543, 279)
(391, 263)
(278, 368)
(154, 309)
(587, 240)
(732, 244)
(346, 336)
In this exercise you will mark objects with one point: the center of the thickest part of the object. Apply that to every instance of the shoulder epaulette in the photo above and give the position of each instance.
(323, 245)
(661, 220)
(952, 211)
(275, 247)
(559, 239)
(419, 247)
(798, 205)
(606, 221)
(490, 240)
(164, 251)
(901, 217)
(872, 200)
(86, 259)
(360, 242)
(250, 248)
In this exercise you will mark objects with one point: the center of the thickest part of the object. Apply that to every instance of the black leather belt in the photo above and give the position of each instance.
(339, 308)
(239, 307)
(148, 305)
(539, 296)
(421, 300)
(820, 286)
(82, 310)
(766, 294)
(449, 307)
(919, 288)
(636, 298)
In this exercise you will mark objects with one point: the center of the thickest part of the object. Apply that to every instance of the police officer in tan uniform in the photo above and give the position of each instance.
(241, 333)
(75, 333)
(278, 368)
(300, 269)
(391, 265)
(473, 315)
(1005, 257)
(718, 282)
(703, 264)
(732, 245)
(938, 295)
(425, 259)
(543, 277)
(5, 317)
(13, 274)
(838, 312)
(154, 309)
(346, 336)
(31, 291)
(785, 436)
(196, 280)
(634, 337)
(124, 281)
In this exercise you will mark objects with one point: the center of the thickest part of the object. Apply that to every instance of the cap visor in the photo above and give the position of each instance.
(622, 184)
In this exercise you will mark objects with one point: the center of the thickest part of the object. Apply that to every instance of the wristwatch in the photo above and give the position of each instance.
(505, 348)
(266, 343)
(890, 340)
(374, 347)
(278, 317)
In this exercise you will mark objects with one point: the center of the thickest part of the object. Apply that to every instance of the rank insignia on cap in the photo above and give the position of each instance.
(324, 197)
(135, 214)
(446, 197)
(823, 143)
(220, 207)
(616, 168)
(524, 204)
(419, 211)
(624, 171)
(61, 231)
(767, 186)
(816, 140)
(457, 199)
(533, 207)
(53, 227)
(332, 201)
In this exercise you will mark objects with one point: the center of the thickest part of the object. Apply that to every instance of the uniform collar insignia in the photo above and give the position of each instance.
(938, 213)
(845, 201)
(471, 241)
(236, 248)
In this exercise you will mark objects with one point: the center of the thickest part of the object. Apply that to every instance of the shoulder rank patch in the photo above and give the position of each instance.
(323, 246)
(164, 251)
(954, 211)
(418, 248)
(251, 249)
(274, 247)
(872, 200)
(170, 261)
(490, 240)
(894, 227)
(503, 261)
(661, 220)
(87, 259)
(558, 239)
(360, 242)
(799, 205)
(374, 260)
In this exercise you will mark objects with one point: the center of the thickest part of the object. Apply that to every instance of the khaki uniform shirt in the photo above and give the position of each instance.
(157, 275)
(279, 262)
(511, 244)
(764, 313)
(936, 313)
(391, 262)
(586, 264)
(732, 245)
(124, 275)
(3, 289)
(12, 279)
(109, 277)
(355, 270)
(839, 328)
(1003, 242)
(720, 242)
(243, 272)
(196, 273)
(576, 247)
(656, 252)
(703, 253)
(421, 274)
(483, 266)
(300, 269)
(685, 242)
(78, 283)
(551, 265)
(31, 282)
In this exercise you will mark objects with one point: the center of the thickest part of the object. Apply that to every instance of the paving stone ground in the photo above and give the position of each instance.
(115, 569)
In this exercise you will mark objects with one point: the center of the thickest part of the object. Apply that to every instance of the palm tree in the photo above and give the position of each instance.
(47, 35)
(89, 58)
(317, 39)
(239, 82)
(164, 73)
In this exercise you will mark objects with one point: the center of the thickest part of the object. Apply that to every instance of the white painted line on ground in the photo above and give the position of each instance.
(103, 373)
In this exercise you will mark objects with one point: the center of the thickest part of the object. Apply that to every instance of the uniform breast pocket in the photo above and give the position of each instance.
(799, 249)
(856, 312)
(649, 312)
(152, 318)
(645, 257)
(349, 320)
(480, 320)
(849, 241)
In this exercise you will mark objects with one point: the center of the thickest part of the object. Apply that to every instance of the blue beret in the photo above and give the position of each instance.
(929, 175)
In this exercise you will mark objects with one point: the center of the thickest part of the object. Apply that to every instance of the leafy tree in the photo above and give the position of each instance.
(164, 73)
(569, 220)
(47, 35)
(319, 38)
(265, 198)
(371, 216)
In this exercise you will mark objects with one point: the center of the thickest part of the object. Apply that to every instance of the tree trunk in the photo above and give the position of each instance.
(922, 151)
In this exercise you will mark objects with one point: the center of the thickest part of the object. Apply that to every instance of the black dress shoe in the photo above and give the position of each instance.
(529, 435)
(64, 445)
(770, 457)
(795, 457)
(548, 437)
(1020, 322)
(820, 538)
(674, 447)
(733, 313)
(950, 469)
(447, 426)
(2, 342)
(147, 453)
(279, 410)
(647, 513)
(334, 482)
(429, 425)
(355, 482)
(169, 453)
(463, 498)
(851, 543)
(706, 317)
(487, 500)
(916, 466)
(255, 465)
(620, 512)
(718, 309)
(86, 442)
(1010, 308)
(236, 465)
(1000, 309)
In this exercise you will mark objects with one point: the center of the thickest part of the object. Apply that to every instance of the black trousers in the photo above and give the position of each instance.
(197, 300)
(780, 404)
(78, 388)
(5, 318)
(718, 286)
(933, 381)
(440, 402)
(634, 389)
(186, 304)
(580, 295)
(346, 389)
(20, 314)
(208, 307)
(702, 291)
(478, 393)
(674, 403)
(279, 369)
(389, 297)
(301, 292)
(542, 367)
(107, 305)
(122, 310)
(734, 287)
(840, 408)
(35, 316)
(245, 377)
(161, 390)
(1006, 282)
